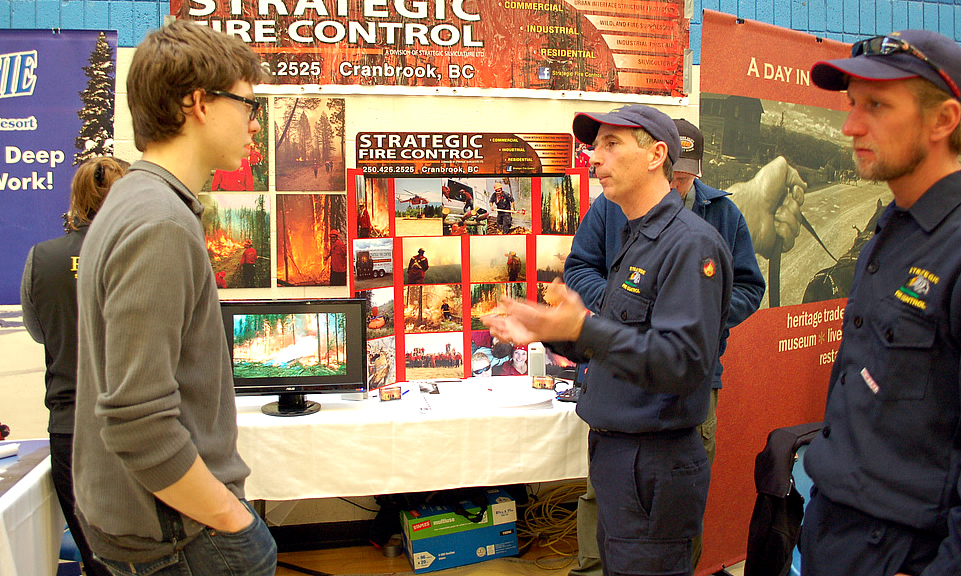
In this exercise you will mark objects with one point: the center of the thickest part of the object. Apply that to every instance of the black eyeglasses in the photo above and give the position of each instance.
(886, 45)
(254, 104)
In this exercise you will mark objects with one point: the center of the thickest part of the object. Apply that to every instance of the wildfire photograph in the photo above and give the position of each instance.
(551, 253)
(435, 308)
(305, 245)
(484, 299)
(498, 258)
(309, 143)
(560, 205)
(439, 355)
(373, 207)
(237, 229)
(275, 345)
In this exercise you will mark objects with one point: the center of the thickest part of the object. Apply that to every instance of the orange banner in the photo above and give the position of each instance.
(541, 45)
(744, 58)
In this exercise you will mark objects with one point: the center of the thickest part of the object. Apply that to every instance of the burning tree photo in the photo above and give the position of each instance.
(237, 228)
(272, 345)
(560, 206)
(484, 299)
(373, 197)
(304, 244)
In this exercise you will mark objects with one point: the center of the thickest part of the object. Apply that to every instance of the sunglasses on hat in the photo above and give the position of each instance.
(886, 45)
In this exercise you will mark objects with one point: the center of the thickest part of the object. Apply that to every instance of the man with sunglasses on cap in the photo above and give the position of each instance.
(595, 245)
(652, 347)
(887, 463)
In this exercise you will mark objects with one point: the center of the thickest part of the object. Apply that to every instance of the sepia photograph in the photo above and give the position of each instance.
(552, 252)
(432, 260)
(309, 144)
(498, 258)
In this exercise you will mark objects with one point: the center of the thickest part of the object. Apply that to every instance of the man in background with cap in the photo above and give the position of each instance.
(652, 345)
(595, 245)
(886, 466)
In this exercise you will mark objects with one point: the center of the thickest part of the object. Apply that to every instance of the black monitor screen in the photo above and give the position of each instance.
(290, 347)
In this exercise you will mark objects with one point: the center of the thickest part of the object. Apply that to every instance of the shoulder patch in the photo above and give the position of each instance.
(708, 268)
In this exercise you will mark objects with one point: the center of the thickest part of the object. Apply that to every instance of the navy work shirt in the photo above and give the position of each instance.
(891, 442)
(654, 341)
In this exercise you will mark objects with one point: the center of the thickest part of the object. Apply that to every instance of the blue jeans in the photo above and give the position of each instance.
(250, 552)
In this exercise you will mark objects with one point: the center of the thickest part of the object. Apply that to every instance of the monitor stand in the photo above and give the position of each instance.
(290, 405)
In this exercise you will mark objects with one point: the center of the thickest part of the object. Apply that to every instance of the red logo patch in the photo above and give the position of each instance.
(708, 268)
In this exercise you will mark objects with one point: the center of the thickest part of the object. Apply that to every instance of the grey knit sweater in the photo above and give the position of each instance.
(154, 379)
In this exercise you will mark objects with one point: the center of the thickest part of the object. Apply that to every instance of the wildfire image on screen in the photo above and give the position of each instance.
(278, 345)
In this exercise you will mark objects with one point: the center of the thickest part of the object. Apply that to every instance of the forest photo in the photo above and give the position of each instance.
(435, 308)
(309, 144)
(275, 345)
(237, 229)
(306, 245)
(560, 205)
(485, 297)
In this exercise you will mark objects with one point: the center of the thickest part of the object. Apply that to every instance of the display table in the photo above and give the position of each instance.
(477, 432)
(31, 523)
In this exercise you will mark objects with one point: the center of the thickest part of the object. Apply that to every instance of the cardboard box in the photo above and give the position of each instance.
(437, 538)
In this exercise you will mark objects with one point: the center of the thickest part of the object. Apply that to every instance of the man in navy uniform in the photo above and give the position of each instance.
(652, 345)
(886, 466)
(595, 245)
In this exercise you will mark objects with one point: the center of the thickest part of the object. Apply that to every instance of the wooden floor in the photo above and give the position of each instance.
(364, 560)
(370, 560)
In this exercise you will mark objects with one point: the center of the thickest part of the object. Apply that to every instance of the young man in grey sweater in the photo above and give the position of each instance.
(158, 479)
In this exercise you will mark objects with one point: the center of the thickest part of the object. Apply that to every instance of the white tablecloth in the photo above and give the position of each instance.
(31, 525)
(480, 432)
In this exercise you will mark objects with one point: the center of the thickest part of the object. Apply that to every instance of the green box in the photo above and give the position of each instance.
(436, 537)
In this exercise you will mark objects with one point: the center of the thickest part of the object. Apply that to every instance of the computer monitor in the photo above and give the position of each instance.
(289, 348)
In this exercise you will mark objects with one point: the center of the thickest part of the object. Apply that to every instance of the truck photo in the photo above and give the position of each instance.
(374, 263)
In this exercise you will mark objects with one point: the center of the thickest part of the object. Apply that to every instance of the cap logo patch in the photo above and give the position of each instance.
(687, 144)
(708, 268)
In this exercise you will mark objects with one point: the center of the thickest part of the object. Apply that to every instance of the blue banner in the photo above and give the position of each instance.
(56, 110)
